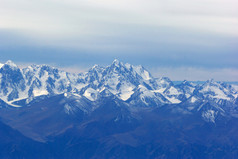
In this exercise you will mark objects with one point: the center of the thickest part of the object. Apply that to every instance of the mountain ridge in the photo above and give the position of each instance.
(132, 85)
(117, 111)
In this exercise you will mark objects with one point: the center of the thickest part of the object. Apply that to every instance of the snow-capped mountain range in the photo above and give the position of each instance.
(130, 85)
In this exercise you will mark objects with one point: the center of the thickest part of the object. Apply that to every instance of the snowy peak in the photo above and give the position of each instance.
(91, 94)
(164, 82)
(214, 90)
(141, 71)
(11, 64)
(144, 97)
(1, 65)
(136, 71)
(94, 74)
(133, 86)
(116, 62)
(116, 67)
(12, 82)
(96, 68)
(210, 83)
(187, 87)
(161, 84)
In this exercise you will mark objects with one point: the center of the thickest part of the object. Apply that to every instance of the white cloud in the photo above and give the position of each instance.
(125, 26)
(87, 19)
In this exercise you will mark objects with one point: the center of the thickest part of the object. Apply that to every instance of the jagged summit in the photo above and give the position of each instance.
(131, 85)
(119, 110)
(10, 63)
(116, 65)
(116, 62)
(95, 66)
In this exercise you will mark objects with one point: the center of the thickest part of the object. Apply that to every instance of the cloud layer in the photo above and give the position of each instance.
(155, 33)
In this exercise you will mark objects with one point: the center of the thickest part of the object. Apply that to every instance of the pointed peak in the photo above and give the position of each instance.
(10, 63)
(141, 71)
(116, 62)
(95, 66)
(128, 66)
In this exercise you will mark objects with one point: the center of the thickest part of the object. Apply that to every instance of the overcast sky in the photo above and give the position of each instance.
(193, 40)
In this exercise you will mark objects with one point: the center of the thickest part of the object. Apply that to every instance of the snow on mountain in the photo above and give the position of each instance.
(91, 94)
(39, 80)
(94, 75)
(139, 70)
(162, 84)
(121, 79)
(74, 103)
(1, 65)
(12, 83)
(10, 64)
(173, 94)
(166, 87)
(214, 90)
(233, 89)
(193, 99)
(187, 87)
(212, 99)
(132, 85)
(209, 115)
(143, 96)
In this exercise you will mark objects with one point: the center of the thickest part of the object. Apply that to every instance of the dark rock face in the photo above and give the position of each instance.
(114, 131)
(119, 111)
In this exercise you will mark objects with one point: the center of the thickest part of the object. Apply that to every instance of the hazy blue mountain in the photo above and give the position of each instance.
(117, 111)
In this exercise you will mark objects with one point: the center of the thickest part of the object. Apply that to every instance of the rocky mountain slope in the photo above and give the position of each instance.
(118, 111)
(132, 85)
